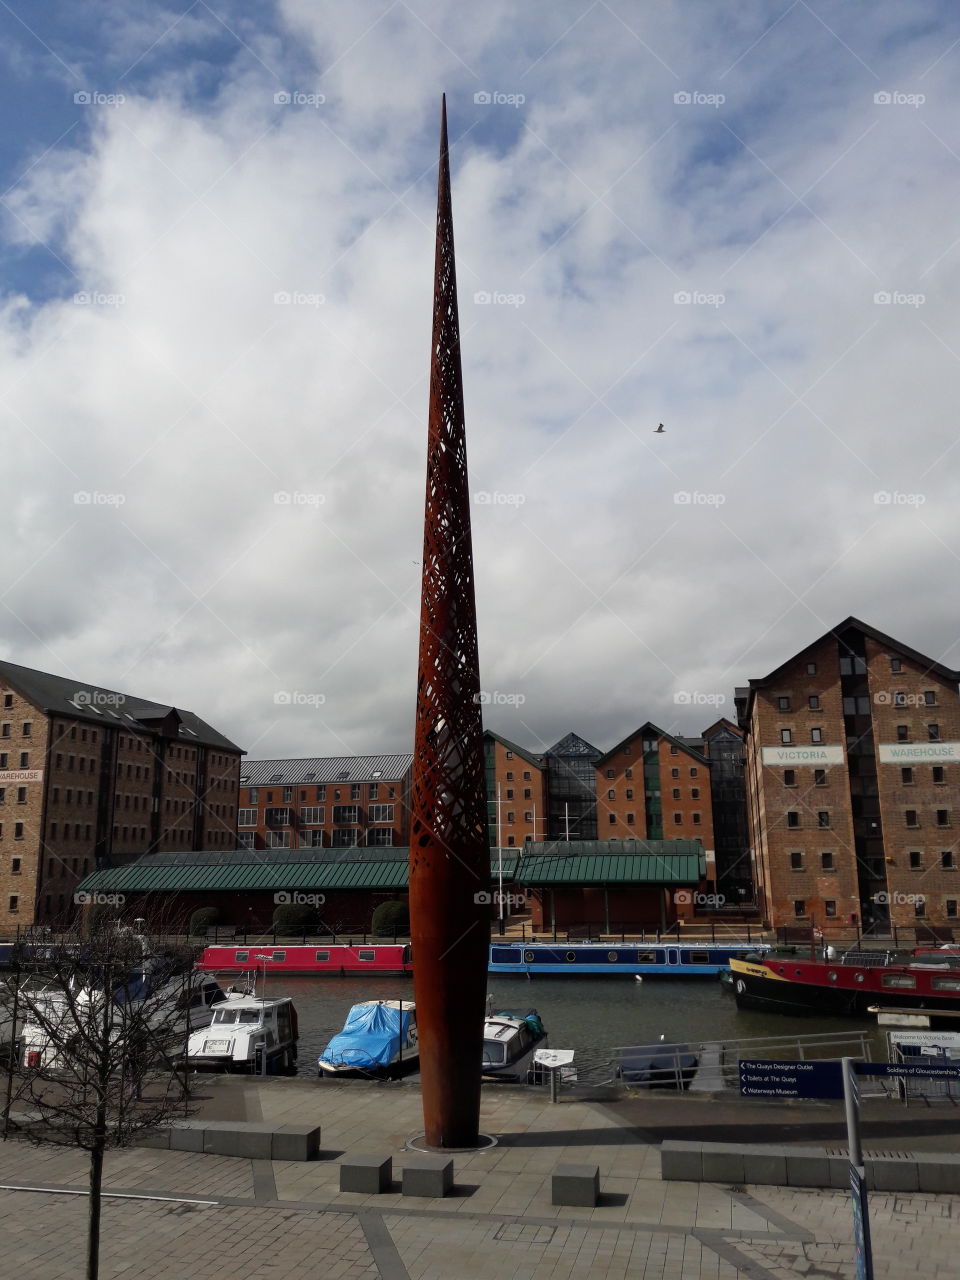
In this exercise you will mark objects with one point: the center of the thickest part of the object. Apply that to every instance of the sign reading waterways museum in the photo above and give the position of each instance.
(918, 752)
(816, 754)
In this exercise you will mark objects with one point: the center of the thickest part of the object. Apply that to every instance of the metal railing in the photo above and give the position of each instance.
(717, 1062)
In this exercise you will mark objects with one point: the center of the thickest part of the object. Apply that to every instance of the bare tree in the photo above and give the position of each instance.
(103, 1022)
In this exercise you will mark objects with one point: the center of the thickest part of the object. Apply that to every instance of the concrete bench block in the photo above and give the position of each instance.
(369, 1175)
(892, 1173)
(430, 1176)
(295, 1142)
(248, 1140)
(766, 1166)
(577, 1185)
(722, 1162)
(186, 1137)
(681, 1161)
(839, 1171)
(154, 1138)
(938, 1172)
(807, 1167)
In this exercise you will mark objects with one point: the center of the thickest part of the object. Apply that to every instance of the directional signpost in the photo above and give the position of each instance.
(786, 1080)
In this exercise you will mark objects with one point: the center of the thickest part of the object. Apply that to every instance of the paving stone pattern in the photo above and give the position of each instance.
(285, 1220)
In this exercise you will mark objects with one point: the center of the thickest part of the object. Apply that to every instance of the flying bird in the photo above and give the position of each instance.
(659, 429)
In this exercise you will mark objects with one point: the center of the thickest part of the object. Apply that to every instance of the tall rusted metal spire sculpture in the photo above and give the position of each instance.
(449, 853)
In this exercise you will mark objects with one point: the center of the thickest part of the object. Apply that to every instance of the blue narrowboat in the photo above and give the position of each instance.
(689, 959)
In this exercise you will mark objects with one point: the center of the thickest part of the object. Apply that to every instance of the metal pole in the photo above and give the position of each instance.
(500, 861)
(852, 1110)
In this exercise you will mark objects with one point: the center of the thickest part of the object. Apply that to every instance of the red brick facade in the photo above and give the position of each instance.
(79, 791)
(865, 835)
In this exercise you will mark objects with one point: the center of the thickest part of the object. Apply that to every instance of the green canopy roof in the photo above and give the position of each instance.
(579, 862)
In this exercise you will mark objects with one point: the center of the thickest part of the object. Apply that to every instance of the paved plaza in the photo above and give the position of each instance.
(203, 1217)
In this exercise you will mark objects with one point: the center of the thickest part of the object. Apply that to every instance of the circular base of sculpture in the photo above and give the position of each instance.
(417, 1143)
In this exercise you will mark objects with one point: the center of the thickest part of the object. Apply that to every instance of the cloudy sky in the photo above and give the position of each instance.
(216, 246)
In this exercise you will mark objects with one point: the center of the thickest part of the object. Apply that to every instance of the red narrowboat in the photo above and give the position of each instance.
(389, 959)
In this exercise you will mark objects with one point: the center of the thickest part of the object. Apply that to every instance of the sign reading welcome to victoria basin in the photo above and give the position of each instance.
(814, 754)
(8, 776)
(918, 752)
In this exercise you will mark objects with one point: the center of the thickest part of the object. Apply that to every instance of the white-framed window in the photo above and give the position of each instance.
(311, 814)
(382, 836)
(278, 839)
(381, 813)
(246, 818)
(245, 839)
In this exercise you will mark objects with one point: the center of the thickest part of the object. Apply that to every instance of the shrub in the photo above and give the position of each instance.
(391, 918)
(202, 919)
(295, 918)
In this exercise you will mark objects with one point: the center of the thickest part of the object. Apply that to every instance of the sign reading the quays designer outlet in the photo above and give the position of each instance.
(918, 752)
(815, 754)
(9, 776)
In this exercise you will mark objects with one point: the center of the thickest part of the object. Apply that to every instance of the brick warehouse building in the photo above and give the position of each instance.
(90, 777)
(853, 767)
(338, 802)
(650, 786)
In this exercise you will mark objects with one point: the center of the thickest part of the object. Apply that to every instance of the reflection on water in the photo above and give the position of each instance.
(585, 1014)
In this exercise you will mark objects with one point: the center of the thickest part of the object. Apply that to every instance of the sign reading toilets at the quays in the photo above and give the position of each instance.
(818, 754)
(918, 752)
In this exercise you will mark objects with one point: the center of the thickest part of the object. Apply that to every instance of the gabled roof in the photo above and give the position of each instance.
(573, 745)
(718, 725)
(536, 761)
(849, 624)
(651, 730)
(60, 695)
(325, 769)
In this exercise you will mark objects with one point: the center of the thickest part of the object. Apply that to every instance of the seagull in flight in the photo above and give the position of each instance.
(659, 430)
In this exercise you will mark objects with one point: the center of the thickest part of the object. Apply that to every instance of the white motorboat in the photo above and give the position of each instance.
(509, 1042)
(53, 1016)
(247, 1033)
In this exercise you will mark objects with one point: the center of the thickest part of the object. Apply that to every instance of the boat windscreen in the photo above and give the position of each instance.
(493, 1053)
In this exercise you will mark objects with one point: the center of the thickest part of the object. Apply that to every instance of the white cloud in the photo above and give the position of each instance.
(198, 397)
